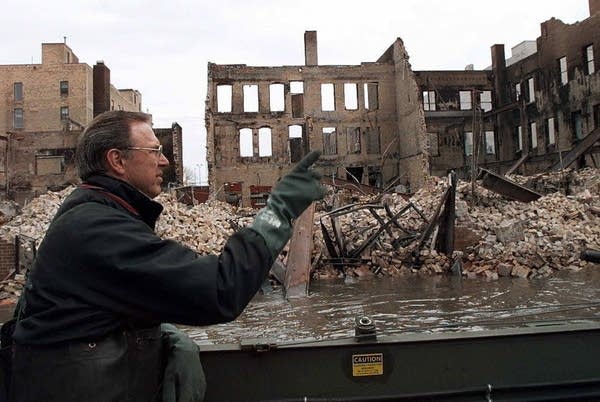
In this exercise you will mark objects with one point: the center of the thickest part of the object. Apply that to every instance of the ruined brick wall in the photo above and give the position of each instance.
(7, 258)
(361, 133)
(447, 123)
(572, 105)
(171, 140)
(576, 103)
(412, 134)
(40, 161)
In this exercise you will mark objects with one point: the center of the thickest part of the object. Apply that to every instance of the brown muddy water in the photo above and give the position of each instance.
(422, 304)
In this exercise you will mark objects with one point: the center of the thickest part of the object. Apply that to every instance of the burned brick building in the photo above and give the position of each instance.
(366, 120)
(44, 108)
(524, 113)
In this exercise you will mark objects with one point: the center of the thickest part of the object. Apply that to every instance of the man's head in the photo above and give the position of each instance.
(123, 145)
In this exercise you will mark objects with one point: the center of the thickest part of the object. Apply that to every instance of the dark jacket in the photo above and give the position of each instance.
(101, 271)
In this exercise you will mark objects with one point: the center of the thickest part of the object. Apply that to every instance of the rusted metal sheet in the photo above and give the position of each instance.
(578, 150)
(297, 274)
(506, 187)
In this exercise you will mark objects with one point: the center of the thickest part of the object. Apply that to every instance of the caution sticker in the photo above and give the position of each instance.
(367, 364)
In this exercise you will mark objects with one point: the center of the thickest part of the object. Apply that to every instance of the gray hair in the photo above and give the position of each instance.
(107, 131)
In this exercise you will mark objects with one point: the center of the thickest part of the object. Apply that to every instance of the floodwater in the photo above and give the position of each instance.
(423, 304)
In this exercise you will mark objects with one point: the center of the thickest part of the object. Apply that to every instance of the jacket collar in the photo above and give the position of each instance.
(148, 210)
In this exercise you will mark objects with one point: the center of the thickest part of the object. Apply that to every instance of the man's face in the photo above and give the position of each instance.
(144, 168)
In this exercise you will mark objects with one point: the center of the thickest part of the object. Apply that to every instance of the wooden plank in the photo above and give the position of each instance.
(297, 274)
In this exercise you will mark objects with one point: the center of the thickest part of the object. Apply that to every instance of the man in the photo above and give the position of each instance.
(103, 281)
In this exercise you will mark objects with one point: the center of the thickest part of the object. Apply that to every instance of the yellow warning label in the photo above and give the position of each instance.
(367, 364)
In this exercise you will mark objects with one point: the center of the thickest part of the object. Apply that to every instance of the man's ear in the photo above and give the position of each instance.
(115, 162)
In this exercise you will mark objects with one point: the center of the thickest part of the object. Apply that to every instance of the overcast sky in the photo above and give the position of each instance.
(162, 47)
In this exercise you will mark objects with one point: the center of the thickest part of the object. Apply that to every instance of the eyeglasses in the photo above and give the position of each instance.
(156, 151)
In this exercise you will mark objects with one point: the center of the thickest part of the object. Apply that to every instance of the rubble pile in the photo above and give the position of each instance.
(203, 227)
(514, 238)
(35, 217)
(511, 238)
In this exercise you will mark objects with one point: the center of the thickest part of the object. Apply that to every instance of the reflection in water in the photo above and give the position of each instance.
(412, 304)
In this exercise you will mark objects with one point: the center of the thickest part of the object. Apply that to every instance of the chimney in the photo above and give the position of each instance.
(594, 7)
(101, 88)
(501, 95)
(310, 48)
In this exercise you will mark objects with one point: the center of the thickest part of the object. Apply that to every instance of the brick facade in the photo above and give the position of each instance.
(373, 136)
(537, 110)
(7, 258)
(54, 101)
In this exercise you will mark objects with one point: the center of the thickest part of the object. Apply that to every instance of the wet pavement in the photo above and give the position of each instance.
(413, 304)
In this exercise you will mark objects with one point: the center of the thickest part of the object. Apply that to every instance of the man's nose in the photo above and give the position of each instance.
(163, 161)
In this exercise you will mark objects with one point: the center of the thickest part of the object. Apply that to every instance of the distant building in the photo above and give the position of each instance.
(519, 114)
(43, 108)
(366, 120)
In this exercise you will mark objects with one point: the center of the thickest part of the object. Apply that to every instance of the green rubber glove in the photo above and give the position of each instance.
(183, 379)
(290, 197)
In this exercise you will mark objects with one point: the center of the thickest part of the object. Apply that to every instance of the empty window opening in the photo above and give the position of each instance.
(276, 98)
(329, 141)
(297, 87)
(18, 91)
(64, 113)
(18, 121)
(429, 100)
(485, 101)
(350, 96)
(49, 164)
(354, 174)
(551, 131)
(490, 143)
(519, 138)
(465, 100)
(264, 142)
(371, 92)
(433, 139)
(468, 143)
(564, 74)
(589, 59)
(64, 89)
(246, 145)
(373, 140)
(518, 91)
(250, 98)
(223, 98)
(295, 131)
(531, 90)
(533, 133)
(327, 97)
(295, 141)
(353, 140)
